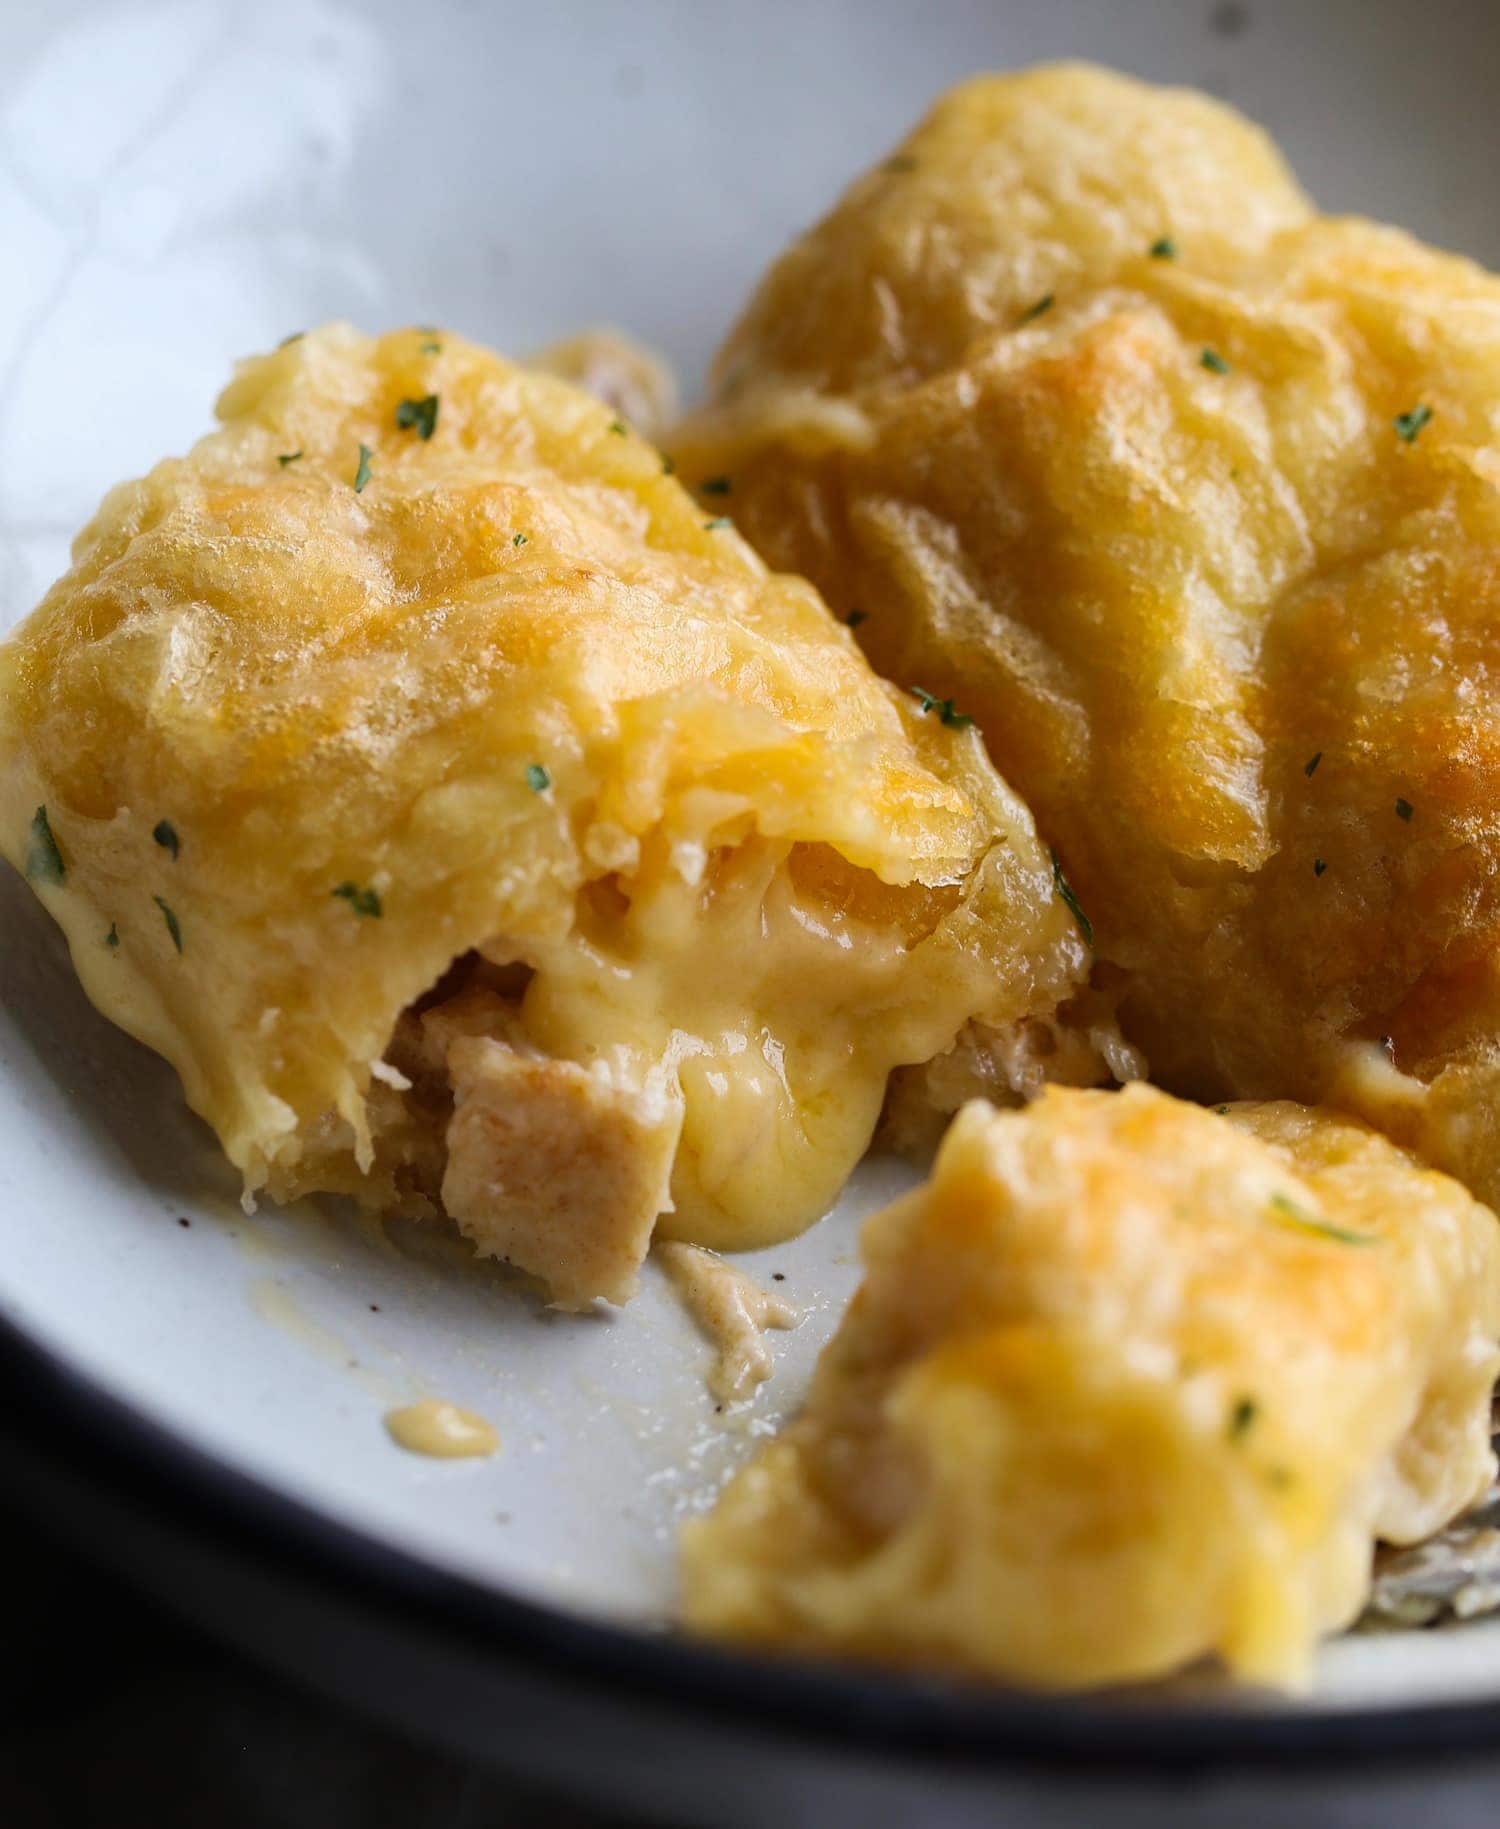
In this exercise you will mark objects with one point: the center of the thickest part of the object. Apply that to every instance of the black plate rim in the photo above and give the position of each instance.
(60, 1408)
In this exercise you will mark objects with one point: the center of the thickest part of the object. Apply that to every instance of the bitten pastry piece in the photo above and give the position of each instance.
(1127, 1384)
(1191, 497)
(472, 820)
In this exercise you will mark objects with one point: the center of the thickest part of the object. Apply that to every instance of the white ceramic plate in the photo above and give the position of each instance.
(180, 184)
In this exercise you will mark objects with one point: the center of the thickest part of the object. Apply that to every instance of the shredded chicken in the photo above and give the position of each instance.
(733, 1310)
(1080, 1046)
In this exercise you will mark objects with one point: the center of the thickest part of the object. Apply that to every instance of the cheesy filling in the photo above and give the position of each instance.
(701, 1055)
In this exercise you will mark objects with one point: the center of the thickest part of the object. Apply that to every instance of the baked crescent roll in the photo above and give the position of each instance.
(1128, 1384)
(477, 825)
(1191, 497)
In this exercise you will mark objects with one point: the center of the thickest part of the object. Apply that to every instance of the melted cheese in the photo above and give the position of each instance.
(441, 1430)
(1126, 1385)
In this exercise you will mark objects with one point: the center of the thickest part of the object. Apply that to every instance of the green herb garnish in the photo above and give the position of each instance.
(537, 778)
(719, 520)
(362, 474)
(419, 414)
(518, 539)
(1163, 249)
(431, 348)
(619, 428)
(1404, 809)
(165, 834)
(1311, 768)
(668, 465)
(1222, 1110)
(112, 938)
(855, 618)
(1288, 1210)
(1214, 362)
(714, 485)
(288, 457)
(171, 920)
(44, 862)
(1075, 908)
(1241, 1417)
(1318, 866)
(955, 720)
(362, 901)
(295, 337)
(1409, 425)
(1043, 304)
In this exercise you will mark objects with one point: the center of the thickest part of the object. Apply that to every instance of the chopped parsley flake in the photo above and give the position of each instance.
(1214, 362)
(855, 618)
(112, 938)
(719, 520)
(668, 465)
(165, 834)
(432, 347)
(1222, 1110)
(1311, 768)
(955, 720)
(1318, 866)
(1292, 1214)
(1032, 312)
(714, 485)
(44, 862)
(288, 457)
(1241, 1417)
(171, 920)
(362, 474)
(1069, 895)
(1163, 249)
(619, 428)
(1409, 425)
(537, 778)
(903, 161)
(419, 414)
(362, 901)
(295, 337)
(518, 539)
(1404, 809)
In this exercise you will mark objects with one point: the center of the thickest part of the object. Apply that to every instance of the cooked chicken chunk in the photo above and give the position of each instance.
(557, 1168)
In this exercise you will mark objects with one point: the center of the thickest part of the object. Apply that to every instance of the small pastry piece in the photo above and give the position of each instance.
(1128, 1384)
(477, 824)
(1190, 496)
(629, 379)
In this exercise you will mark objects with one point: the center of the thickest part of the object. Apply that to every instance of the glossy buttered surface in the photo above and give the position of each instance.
(1190, 496)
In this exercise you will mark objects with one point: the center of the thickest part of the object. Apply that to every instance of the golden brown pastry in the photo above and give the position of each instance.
(1127, 1384)
(1191, 497)
(476, 824)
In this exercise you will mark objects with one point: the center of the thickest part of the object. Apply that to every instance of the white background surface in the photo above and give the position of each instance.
(181, 184)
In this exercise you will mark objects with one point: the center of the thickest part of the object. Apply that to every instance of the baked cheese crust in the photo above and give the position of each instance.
(419, 709)
(1127, 1384)
(1191, 496)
